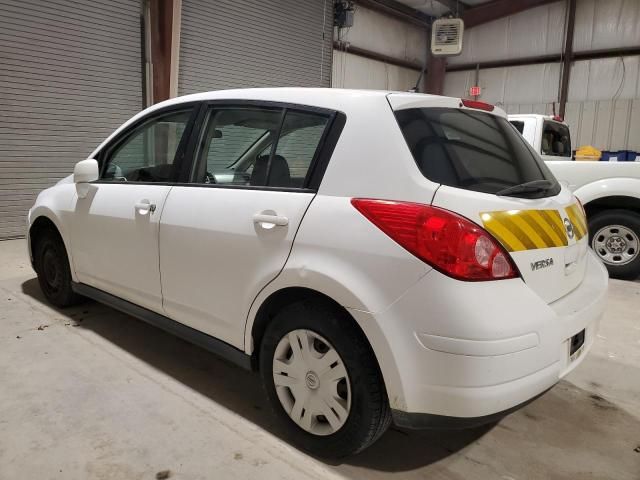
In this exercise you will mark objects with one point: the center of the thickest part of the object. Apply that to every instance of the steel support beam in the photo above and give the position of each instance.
(397, 10)
(553, 58)
(434, 79)
(454, 5)
(487, 12)
(164, 40)
(363, 52)
(567, 56)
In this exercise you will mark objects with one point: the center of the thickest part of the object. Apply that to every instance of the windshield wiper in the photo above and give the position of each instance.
(533, 186)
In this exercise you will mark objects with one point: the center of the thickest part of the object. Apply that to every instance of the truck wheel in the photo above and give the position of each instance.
(615, 237)
(323, 381)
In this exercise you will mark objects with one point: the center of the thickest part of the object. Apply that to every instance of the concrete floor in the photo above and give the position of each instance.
(90, 393)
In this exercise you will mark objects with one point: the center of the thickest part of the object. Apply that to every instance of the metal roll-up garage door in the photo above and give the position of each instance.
(70, 73)
(244, 43)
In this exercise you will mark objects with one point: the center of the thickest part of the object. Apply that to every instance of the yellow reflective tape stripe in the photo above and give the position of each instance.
(520, 221)
(508, 221)
(501, 232)
(581, 218)
(555, 222)
(574, 212)
(542, 229)
(526, 229)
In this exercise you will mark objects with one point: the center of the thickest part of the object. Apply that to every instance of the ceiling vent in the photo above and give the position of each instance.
(446, 36)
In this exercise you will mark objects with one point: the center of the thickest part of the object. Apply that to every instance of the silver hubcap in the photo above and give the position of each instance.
(616, 245)
(311, 382)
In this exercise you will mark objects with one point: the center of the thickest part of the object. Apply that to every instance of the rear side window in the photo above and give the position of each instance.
(298, 143)
(471, 150)
(556, 139)
(259, 147)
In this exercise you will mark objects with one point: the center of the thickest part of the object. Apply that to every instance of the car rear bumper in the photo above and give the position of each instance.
(475, 350)
(422, 421)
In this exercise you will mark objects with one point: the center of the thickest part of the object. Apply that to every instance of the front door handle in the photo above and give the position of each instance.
(145, 206)
(268, 221)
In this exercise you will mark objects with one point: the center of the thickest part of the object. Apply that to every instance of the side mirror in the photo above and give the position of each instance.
(86, 171)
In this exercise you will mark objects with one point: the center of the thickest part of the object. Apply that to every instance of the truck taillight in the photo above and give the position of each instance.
(445, 240)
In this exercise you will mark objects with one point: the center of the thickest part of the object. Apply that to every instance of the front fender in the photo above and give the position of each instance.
(608, 187)
(53, 204)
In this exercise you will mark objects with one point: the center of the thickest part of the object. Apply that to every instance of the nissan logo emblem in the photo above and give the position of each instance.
(568, 227)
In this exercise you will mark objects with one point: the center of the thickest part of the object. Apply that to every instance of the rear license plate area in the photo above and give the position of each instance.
(576, 345)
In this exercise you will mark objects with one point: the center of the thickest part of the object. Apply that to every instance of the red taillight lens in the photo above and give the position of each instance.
(448, 242)
(477, 105)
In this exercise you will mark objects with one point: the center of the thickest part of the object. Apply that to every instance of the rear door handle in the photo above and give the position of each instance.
(145, 206)
(267, 221)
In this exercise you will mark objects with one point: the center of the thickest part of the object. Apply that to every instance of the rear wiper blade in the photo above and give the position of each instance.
(533, 186)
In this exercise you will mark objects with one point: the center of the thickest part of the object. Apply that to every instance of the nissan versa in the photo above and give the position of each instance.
(378, 257)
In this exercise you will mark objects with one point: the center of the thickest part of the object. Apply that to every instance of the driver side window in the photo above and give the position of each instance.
(148, 153)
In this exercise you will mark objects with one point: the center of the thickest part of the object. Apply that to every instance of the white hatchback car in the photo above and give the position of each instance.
(377, 256)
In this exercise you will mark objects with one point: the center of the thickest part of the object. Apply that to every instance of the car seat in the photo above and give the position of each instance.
(280, 175)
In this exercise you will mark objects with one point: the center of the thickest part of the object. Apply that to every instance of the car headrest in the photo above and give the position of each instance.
(545, 144)
(558, 147)
(280, 175)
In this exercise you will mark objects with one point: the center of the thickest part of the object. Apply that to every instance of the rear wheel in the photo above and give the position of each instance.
(52, 266)
(323, 380)
(615, 237)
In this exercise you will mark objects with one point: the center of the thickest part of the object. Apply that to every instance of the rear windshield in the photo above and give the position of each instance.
(519, 124)
(472, 150)
(556, 140)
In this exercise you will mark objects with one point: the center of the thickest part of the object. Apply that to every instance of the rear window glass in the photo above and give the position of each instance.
(556, 140)
(471, 150)
(518, 124)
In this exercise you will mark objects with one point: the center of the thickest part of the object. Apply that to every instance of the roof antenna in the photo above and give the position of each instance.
(416, 88)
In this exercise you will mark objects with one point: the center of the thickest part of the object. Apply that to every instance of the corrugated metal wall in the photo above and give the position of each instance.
(353, 71)
(69, 74)
(384, 35)
(242, 43)
(603, 108)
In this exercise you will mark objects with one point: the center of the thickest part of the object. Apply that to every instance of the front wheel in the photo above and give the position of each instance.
(615, 237)
(52, 266)
(323, 380)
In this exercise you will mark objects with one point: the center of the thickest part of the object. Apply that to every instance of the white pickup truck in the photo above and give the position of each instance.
(609, 192)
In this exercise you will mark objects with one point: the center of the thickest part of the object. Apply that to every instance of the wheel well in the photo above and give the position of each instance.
(607, 203)
(39, 227)
(280, 299)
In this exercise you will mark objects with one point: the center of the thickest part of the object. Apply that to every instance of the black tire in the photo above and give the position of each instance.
(52, 266)
(369, 415)
(625, 218)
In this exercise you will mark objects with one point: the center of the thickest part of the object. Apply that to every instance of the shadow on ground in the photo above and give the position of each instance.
(241, 391)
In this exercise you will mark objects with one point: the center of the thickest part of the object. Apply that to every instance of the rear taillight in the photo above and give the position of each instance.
(487, 107)
(450, 243)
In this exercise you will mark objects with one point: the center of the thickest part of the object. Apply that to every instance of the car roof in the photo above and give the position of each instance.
(320, 97)
(339, 99)
(333, 98)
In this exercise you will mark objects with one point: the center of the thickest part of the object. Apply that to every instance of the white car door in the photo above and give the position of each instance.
(114, 228)
(229, 232)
